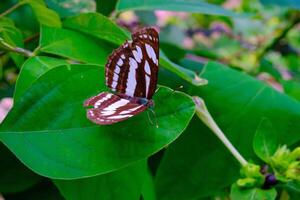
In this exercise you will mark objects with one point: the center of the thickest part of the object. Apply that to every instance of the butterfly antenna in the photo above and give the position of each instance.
(150, 117)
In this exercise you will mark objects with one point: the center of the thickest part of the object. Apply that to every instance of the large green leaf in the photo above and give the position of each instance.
(252, 193)
(97, 25)
(43, 14)
(194, 6)
(31, 70)
(48, 130)
(14, 176)
(74, 45)
(123, 184)
(12, 36)
(197, 164)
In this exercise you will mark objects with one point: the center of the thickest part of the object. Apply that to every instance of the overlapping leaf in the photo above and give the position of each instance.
(74, 45)
(32, 69)
(196, 164)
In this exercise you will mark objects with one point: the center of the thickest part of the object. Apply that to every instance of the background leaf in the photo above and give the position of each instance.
(63, 141)
(194, 6)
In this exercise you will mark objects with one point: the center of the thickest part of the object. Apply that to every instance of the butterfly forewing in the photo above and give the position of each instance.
(108, 108)
(132, 68)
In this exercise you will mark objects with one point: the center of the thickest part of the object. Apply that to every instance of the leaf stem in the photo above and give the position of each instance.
(18, 50)
(11, 9)
(205, 116)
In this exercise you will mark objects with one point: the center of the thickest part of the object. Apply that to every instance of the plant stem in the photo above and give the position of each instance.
(18, 50)
(11, 9)
(204, 115)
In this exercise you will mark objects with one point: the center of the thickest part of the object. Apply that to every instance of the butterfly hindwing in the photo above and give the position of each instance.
(108, 108)
(132, 68)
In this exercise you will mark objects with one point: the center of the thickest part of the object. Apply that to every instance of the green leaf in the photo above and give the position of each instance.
(252, 194)
(14, 176)
(31, 70)
(44, 15)
(48, 130)
(74, 45)
(106, 7)
(66, 8)
(97, 25)
(265, 142)
(13, 37)
(194, 6)
(123, 184)
(238, 103)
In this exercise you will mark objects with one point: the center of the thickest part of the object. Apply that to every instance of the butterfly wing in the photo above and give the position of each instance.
(108, 108)
(132, 68)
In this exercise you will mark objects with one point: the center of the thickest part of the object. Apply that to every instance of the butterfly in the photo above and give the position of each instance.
(131, 74)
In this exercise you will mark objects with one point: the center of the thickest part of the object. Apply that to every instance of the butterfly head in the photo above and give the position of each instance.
(146, 102)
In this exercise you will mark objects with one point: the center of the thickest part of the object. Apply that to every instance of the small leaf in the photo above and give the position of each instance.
(31, 70)
(194, 6)
(238, 193)
(44, 15)
(13, 37)
(123, 184)
(74, 45)
(265, 141)
(48, 130)
(97, 25)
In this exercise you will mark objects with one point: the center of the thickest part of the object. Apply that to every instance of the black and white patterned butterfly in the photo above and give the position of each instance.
(131, 73)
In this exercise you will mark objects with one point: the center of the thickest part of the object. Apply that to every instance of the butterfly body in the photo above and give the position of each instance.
(131, 73)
